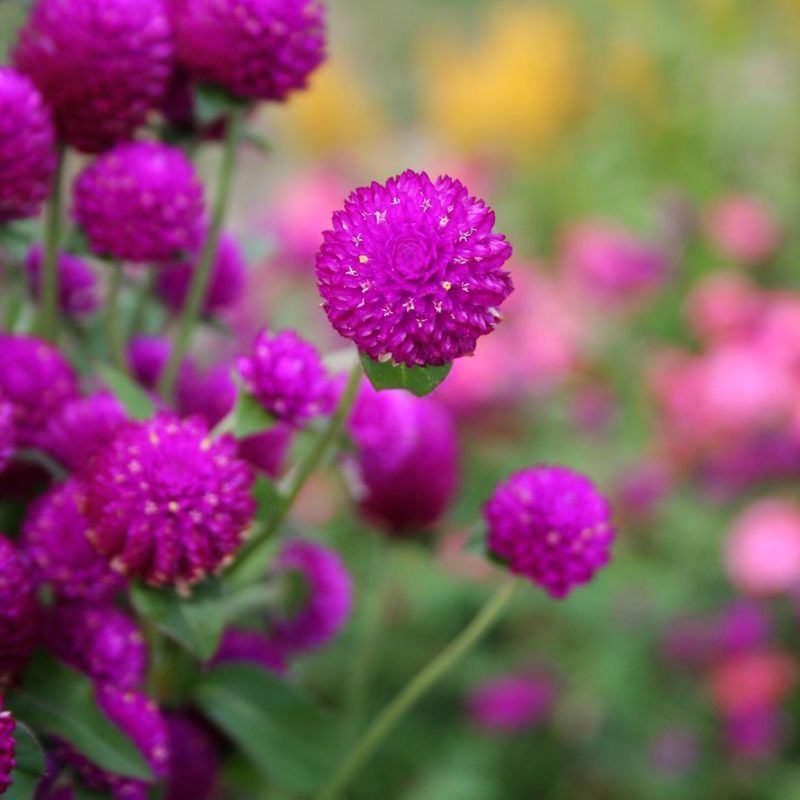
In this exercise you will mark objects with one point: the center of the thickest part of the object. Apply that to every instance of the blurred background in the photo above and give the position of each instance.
(643, 158)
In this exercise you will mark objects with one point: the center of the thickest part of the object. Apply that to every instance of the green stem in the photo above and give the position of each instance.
(144, 290)
(47, 324)
(397, 709)
(201, 276)
(116, 340)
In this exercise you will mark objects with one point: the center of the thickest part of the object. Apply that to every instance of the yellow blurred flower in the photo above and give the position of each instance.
(515, 91)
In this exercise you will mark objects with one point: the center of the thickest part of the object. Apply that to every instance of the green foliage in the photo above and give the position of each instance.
(30, 765)
(417, 380)
(136, 401)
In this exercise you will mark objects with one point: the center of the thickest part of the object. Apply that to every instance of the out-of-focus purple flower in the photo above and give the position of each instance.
(37, 381)
(77, 283)
(742, 228)
(27, 147)
(512, 703)
(166, 503)
(754, 735)
(266, 451)
(6, 434)
(141, 201)
(406, 460)
(55, 547)
(147, 356)
(7, 747)
(675, 751)
(689, 642)
(256, 49)
(210, 393)
(551, 525)
(412, 271)
(225, 288)
(239, 644)
(325, 604)
(286, 375)
(101, 65)
(642, 487)
(101, 641)
(743, 626)
(193, 759)
(82, 428)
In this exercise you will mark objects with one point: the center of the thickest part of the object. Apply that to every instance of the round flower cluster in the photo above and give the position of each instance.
(77, 284)
(147, 356)
(27, 147)
(166, 503)
(101, 65)
(19, 615)
(551, 525)
(7, 747)
(511, 703)
(412, 270)
(6, 434)
(141, 201)
(210, 394)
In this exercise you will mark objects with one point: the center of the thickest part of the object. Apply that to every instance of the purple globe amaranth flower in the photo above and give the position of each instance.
(326, 596)
(82, 428)
(406, 460)
(7, 434)
(266, 451)
(147, 356)
(211, 393)
(256, 49)
(55, 547)
(240, 644)
(551, 525)
(167, 503)
(512, 703)
(37, 381)
(225, 288)
(286, 375)
(100, 641)
(77, 283)
(27, 147)
(101, 65)
(141, 201)
(412, 270)
(7, 747)
(19, 613)
(193, 759)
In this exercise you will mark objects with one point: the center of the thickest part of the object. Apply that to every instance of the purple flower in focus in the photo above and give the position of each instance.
(551, 525)
(147, 356)
(286, 375)
(412, 270)
(77, 283)
(168, 504)
(211, 393)
(511, 703)
(7, 747)
(193, 759)
(141, 201)
(27, 147)
(101, 65)
(256, 49)
(252, 647)
(6, 434)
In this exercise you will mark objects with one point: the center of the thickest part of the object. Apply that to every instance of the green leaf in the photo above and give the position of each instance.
(59, 701)
(136, 401)
(30, 765)
(417, 380)
(195, 622)
(213, 102)
(289, 739)
(250, 417)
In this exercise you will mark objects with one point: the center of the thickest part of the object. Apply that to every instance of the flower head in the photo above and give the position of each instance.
(511, 703)
(256, 49)
(551, 525)
(412, 270)
(286, 375)
(266, 450)
(77, 283)
(743, 228)
(141, 201)
(193, 759)
(166, 503)
(101, 65)
(7, 747)
(27, 147)
(147, 356)
(6, 434)
(240, 644)
(210, 393)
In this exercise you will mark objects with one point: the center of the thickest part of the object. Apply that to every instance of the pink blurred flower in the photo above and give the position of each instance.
(743, 229)
(722, 305)
(750, 682)
(511, 703)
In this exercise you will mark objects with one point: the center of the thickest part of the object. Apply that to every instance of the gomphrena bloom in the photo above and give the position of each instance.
(27, 147)
(266, 451)
(209, 393)
(412, 270)
(37, 381)
(141, 201)
(256, 49)
(101, 65)
(225, 289)
(77, 283)
(19, 615)
(512, 702)
(166, 503)
(406, 459)
(56, 549)
(82, 428)
(147, 357)
(193, 759)
(286, 375)
(240, 644)
(551, 525)
(7, 747)
(326, 596)
(6, 434)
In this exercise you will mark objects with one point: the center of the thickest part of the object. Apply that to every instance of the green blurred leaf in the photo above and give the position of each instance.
(212, 103)
(136, 401)
(30, 765)
(417, 380)
(59, 701)
(289, 740)
(195, 622)
(250, 417)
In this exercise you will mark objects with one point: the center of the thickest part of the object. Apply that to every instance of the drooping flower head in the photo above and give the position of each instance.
(407, 458)
(166, 503)
(101, 65)
(37, 381)
(326, 596)
(7, 747)
(193, 759)
(240, 644)
(55, 547)
(27, 147)
(511, 703)
(147, 356)
(412, 270)
(141, 201)
(19, 616)
(6, 434)
(286, 375)
(77, 283)
(551, 525)
(256, 49)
